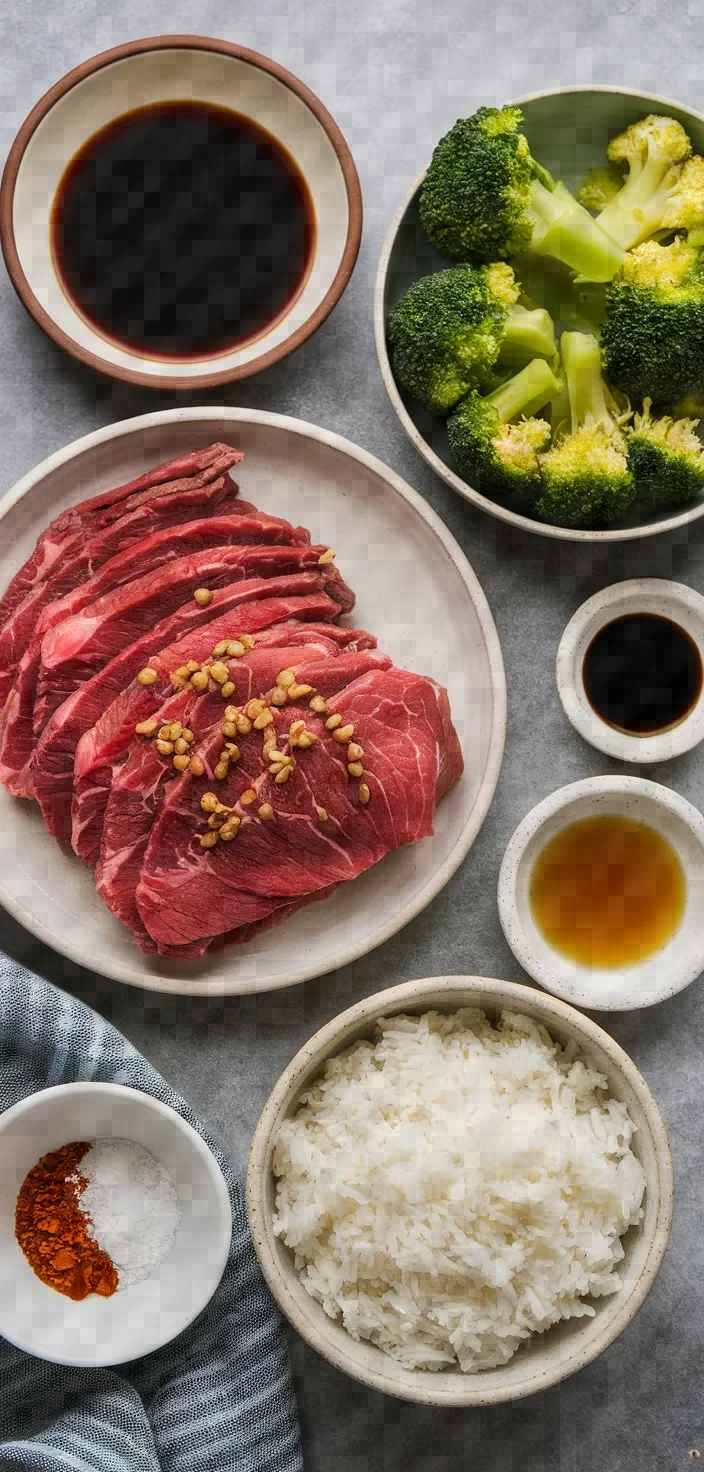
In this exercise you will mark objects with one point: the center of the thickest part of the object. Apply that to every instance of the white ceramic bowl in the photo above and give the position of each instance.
(160, 69)
(673, 601)
(138, 1319)
(676, 964)
(568, 129)
(547, 1358)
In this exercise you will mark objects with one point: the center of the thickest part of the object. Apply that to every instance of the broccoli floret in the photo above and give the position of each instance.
(585, 476)
(684, 210)
(497, 456)
(654, 150)
(599, 186)
(449, 330)
(666, 458)
(653, 333)
(485, 196)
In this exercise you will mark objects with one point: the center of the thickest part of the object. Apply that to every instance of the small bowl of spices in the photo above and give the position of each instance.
(601, 893)
(115, 1224)
(630, 670)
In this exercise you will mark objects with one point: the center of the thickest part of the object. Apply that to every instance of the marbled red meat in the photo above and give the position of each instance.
(94, 707)
(73, 650)
(29, 685)
(108, 591)
(141, 779)
(103, 748)
(68, 532)
(411, 756)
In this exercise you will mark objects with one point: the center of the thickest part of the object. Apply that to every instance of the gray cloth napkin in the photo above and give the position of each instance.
(218, 1397)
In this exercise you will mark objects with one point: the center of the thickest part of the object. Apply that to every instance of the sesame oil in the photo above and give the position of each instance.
(608, 891)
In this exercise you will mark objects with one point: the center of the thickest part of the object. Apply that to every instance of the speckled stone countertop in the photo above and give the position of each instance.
(395, 74)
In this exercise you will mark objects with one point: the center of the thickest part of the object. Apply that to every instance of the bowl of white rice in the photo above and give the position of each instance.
(460, 1191)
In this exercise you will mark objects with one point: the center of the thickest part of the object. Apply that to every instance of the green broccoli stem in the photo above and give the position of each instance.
(564, 230)
(528, 333)
(588, 396)
(636, 211)
(528, 391)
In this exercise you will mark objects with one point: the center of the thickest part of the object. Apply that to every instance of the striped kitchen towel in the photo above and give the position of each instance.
(218, 1397)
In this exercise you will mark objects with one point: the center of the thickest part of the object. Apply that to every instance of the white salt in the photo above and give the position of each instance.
(133, 1207)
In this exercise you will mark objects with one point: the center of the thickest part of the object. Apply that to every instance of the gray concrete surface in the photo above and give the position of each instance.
(396, 73)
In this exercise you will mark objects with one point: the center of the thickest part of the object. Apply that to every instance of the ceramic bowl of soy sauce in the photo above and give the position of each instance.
(180, 212)
(630, 670)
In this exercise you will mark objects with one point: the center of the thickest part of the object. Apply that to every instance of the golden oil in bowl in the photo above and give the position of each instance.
(608, 891)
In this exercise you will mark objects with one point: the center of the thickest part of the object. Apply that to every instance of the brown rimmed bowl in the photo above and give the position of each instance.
(547, 1358)
(568, 129)
(162, 69)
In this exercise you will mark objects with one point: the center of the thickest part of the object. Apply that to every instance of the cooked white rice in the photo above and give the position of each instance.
(452, 1188)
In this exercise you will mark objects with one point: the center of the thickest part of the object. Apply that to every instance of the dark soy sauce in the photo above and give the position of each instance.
(182, 230)
(642, 674)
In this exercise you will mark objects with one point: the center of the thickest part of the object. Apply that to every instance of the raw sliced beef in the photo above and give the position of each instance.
(137, 543)
(51, 771)
(140, 782)
(18, 745)
(83, 708)
(168, 545)
(411, 756)
(109, 590)
(68, 532)
(72, 651)
(101, 750)
(76, 648)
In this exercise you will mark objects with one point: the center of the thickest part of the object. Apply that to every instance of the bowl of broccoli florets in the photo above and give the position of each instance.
(540, 312)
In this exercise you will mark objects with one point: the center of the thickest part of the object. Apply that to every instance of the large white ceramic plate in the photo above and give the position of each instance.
(415, 591)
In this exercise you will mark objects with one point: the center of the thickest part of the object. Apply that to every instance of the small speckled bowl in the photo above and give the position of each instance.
(162, 69)
(671, 968)
(546, 1358)
(142, 1317)
(673, 601)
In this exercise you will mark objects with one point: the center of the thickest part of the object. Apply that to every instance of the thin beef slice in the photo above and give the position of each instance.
(83, 643)
(139, 784)
(51, 770)
(68, 532)
(75, 649)
(411, 756)
(153, 552)
(186, 501)
(102, 749)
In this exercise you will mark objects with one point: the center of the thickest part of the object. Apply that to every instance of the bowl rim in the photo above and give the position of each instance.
(180, 382)
(200, 1146)
(615, 601)
(317, 1050)
(513, 518)
(531, 825)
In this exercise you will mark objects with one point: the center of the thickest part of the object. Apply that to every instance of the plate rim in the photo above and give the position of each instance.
(446, 473)
(497, 736)
(179, 42)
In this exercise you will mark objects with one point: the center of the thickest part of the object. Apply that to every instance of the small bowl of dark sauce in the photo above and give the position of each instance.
(180, 212)
(630, 670)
